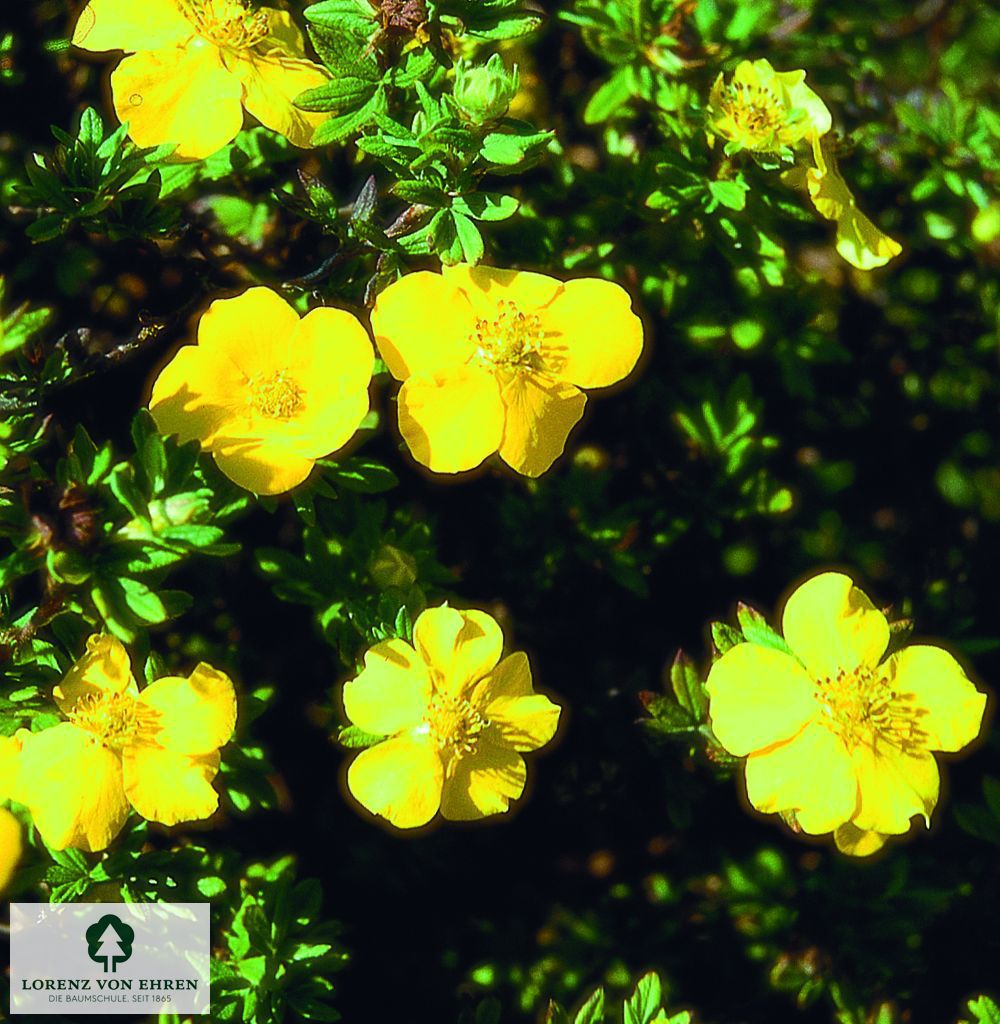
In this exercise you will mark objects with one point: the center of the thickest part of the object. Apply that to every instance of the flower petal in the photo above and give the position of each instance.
(483, 783)
(331, 361)
(859, 241)
(10, 750)
(392, 691)
(811, 774)
(486, 286)
(592, 337)
(126, 25)
(460, 647)
(856, 842)
(271, 82)
(103, 668)
(196, 715)
(168, 786)
(399, 779)
(832, 625)
(539, 413)
(423, 324)
(894, 786)
(523, 723)
(11, 846)
(253, 330)
(451, 421)
(758, 696)
(182, 95)
(511, 678)
(948, 707)
(73, 788)
(263, 466)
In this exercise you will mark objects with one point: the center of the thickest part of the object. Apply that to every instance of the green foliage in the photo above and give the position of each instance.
(643, 1006)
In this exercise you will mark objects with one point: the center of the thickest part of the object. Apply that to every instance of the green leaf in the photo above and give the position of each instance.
(757, 631)
(486, 206)
(644, 1004)
(469, 237)
(610, 97)
(984, 1010)
(731, 194)
(592, 1011)
(353, 738)
(725, 637)
(688, 687)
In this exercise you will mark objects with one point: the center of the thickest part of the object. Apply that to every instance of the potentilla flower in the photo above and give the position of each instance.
(457, 719)
(859, 241)
(495, 360)
(765, 111)
(11, 842)
(834, 736)
(196, 64)
(267, 393)
(155, 750)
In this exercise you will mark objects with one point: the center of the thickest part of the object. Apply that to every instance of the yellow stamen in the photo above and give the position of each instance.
(114, 718)
(456, 725)
(276, 396)
(755, 113)
(510, 341)
(863, 707)
(227, 23)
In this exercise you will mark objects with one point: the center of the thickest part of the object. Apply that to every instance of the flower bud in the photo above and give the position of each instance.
(484, 92)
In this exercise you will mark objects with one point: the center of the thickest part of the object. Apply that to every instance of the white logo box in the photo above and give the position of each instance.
(109, 958)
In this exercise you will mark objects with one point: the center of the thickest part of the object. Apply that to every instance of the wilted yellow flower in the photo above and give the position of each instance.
(494, 360)
(267, 393)
(859, 241)
(156, 750)
(11, 843)
(455, 715)
(833, 735)
(765, 111)
(196, 64)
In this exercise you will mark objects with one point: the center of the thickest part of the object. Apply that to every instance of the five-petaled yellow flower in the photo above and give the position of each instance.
(456, 717)
(766, 111)
(155, 749)
(11, 843)
(267, 393)
(834, 734)
(194, 66)
(494, 361)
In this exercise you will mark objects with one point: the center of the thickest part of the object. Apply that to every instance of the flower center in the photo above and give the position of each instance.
(112, 717)
(276, 396)
(228, 23)
(755, 112)
(455, 724)
(863, 707)
(510, 341)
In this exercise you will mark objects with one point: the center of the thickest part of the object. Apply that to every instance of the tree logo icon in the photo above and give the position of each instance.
(109, 942)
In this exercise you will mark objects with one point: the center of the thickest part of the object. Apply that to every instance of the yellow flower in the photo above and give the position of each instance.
(156, 750)
(196, 64)
(494, 360)
(267, 393)
(11, 844)
(859, 241)
(834, 735)
(765, 111)
(456, 717)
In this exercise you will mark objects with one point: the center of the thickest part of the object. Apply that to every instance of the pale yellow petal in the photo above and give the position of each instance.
(263, 466)
(831, 626)
(399, 779)
(894, 786)
(179, 95)
(947, 707)
(592, 337)
(10, 751)
(539, 413)
(192, 716)
(483, 783)
(127, 25)
(523, 723)
(103, 668)
(856, 842)
(811, 774)
(423, 324)
(271, 82)
(391, 693)
(11, 846)
(485, 287)
(451, 421)
(73, 788)
(253, 330)
(758, 696)
(511, 678)
(460, 647)
(168, 786)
